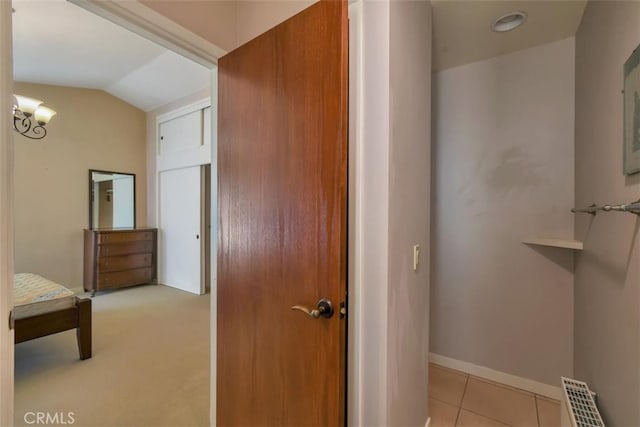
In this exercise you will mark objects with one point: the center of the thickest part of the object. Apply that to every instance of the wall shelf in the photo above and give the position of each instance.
(556, 243)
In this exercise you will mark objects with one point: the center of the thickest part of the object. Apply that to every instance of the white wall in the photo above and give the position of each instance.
(389, 181)
(409, 210)
(607, 294)
(372, 217)
(123, 194)
(503, 171)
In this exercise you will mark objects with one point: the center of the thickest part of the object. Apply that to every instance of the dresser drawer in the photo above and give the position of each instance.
(133, 236)
(125, 262)
(124, 278)
(116, 259)
(142, 246)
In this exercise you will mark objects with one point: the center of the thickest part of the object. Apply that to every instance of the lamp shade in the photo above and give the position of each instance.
(27, 105)
(43, 115)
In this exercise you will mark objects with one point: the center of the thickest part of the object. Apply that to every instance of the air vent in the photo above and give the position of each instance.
(509, 21)
(578, 405)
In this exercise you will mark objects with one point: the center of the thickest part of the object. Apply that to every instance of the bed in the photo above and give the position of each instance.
(43, 307)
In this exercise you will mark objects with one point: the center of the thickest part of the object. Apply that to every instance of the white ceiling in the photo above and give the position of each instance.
(58, 43)
(462, 28)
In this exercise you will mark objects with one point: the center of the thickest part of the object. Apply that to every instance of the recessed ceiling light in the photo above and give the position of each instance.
(509, 21)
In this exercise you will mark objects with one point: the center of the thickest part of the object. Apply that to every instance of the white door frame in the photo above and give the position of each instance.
(146, 22)
(151, 25)
(6, 215)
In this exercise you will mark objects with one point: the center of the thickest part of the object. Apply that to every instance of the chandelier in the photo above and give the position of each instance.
(30, 117)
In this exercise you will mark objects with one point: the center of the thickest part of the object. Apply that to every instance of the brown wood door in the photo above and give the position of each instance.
(282, 165)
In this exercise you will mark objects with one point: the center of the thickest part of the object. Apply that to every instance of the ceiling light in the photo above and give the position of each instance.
(509, 21)
(25, 112)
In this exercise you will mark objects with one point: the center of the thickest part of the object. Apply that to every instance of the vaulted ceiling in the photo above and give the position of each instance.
(58, 43)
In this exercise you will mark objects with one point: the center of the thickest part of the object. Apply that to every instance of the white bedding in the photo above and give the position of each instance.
(36, 295)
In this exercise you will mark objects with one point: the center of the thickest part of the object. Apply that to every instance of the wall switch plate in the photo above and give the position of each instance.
(416, 257)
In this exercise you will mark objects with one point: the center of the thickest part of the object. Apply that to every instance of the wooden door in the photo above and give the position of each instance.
(282, 165)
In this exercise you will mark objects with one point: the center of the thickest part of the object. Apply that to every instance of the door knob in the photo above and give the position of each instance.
(324, 309)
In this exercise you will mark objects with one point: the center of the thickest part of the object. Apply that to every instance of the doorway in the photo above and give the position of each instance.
(56, 150)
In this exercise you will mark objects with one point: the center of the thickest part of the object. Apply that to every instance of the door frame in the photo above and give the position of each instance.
(144, 21)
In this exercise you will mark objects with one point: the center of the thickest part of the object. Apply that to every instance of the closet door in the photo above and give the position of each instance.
(180, 235)
(183, 133)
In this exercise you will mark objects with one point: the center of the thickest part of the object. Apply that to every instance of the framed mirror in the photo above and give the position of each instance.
(112, 199)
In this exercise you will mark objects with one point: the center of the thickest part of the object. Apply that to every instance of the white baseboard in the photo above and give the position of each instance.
(497, 376)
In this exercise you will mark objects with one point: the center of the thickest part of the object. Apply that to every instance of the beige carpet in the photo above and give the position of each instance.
(150, 364)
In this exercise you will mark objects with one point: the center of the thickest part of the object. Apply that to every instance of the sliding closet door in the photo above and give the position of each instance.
(180, 236)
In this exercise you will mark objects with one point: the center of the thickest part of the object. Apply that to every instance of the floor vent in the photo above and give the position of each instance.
(578, 405)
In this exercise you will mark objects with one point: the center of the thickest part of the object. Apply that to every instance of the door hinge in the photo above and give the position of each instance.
(12, 321)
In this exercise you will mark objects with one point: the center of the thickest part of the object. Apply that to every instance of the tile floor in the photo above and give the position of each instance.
(458, 399)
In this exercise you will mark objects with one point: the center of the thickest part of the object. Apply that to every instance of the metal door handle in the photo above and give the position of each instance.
(325, 309)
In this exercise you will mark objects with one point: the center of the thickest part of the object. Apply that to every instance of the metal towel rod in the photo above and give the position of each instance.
(633, 207)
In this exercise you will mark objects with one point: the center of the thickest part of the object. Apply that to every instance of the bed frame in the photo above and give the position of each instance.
(78, 318)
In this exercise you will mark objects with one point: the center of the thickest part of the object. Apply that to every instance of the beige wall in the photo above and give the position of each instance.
(105, 205)
(214, 21)
(92, 130)
(607, 285)
(228, 23)
(503, 171)
(254, 17)
(6, 216)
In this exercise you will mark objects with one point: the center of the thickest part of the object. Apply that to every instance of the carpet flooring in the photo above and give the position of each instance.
(150, 364)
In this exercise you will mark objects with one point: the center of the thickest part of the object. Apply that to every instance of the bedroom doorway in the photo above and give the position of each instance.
(171, 306)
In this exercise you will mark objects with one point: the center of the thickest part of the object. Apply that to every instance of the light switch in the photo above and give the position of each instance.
(416, 257)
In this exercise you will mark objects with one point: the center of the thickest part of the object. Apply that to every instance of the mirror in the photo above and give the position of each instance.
(112, 199)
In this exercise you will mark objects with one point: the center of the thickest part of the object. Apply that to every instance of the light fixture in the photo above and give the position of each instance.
(509, 21)
(30, 117)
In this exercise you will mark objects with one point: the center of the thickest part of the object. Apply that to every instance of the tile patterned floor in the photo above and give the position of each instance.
(458, 399)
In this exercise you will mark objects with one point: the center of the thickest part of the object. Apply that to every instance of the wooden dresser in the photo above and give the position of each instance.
(118, 258)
